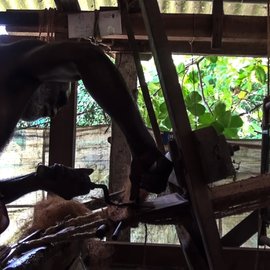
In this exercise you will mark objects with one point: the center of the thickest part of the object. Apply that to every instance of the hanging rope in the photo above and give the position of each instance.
(192, 64)
(46, 25)
(143, 84)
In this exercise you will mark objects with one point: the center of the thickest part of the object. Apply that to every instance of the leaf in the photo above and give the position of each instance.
(225, 119)
(260, 74)
(192, 98)
(188, 101)
(236, 121)
(193, 77)
(195, 96)
(163, 107)
(231, 133)
(206, 118)
(153, 86)
(246, 85)
(213, 59)
(218, 127)
(180, 68)
(212, 81)
(209, 90)
(202, 126)
(147, 121)
(197, 109)
(167, 123)
(219, 109)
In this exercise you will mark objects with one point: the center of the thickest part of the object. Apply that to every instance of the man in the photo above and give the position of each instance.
(27, 66)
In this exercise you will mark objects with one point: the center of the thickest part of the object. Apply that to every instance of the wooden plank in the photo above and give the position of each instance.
(198, 47)
(242, 35)
(25, 18)
(179, 47)
(130, 255)
(217, 24)
(238, 235)
(252, 191)
(63, 132)
(178, 26)
(241, 197)
(197, 188)
(163, 256)
(120, 156)
(63, 126)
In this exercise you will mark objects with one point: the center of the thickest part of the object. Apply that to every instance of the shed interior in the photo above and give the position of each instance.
(138, 29)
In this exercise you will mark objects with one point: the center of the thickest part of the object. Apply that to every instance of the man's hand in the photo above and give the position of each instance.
(64, 181)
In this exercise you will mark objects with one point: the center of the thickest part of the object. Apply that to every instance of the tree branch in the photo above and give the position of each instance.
(201, 86)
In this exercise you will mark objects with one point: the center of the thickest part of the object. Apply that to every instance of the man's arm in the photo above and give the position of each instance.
(63, 181)
(12, 189)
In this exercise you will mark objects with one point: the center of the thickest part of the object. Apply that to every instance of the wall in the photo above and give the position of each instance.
(29, 147)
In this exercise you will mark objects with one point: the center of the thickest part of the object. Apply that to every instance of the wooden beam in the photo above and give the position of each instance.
(217, 24)
(238, 235)
(178, 47)
(63, 126)
(239, 197)
(178, 26)
(63, 133)
(14, 17)
(242, 196)
(196, 184)
(120, 156)
(156, 256)
(242, 35)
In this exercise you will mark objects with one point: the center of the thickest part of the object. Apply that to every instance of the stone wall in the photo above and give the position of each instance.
(30, 147)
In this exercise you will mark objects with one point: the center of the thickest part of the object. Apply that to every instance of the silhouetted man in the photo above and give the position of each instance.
(29, 66)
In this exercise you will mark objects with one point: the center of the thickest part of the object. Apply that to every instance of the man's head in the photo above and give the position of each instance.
(46, 101)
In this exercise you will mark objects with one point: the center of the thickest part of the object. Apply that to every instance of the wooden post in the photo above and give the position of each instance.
(63, 133)
(120, 156)
(196, 182)
(63, 127)
(217, 24)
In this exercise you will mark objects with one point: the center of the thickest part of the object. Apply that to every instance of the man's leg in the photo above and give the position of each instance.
(70, 61)
(149, 169)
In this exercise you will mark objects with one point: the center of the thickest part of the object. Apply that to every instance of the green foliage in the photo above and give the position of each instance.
(89, 113)
(225, 92)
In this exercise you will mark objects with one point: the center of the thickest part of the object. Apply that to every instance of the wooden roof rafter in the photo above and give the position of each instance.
(241, 35)
(63, 126)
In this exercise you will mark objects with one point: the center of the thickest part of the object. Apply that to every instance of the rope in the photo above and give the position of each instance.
(46, 25)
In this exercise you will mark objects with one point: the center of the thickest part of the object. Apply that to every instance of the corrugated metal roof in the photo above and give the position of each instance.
(42, 4)
(26, 4)
(167, 6)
